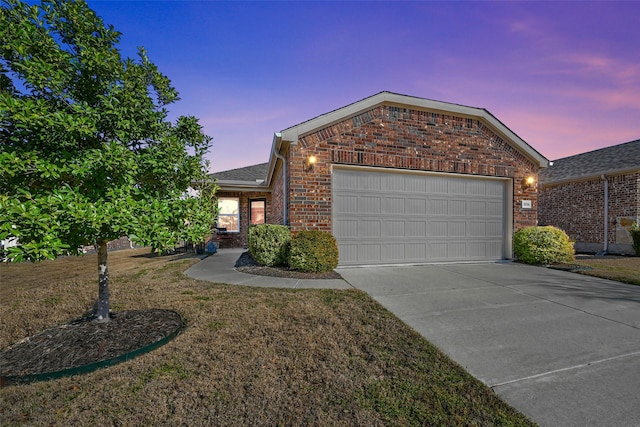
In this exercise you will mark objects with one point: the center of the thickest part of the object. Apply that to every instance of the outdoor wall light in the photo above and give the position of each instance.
(528, 182)
(309, 162)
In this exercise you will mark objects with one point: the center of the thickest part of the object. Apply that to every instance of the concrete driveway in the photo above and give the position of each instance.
(562, 348)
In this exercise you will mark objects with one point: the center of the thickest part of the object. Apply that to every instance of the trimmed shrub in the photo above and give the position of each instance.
(542, 245)
(269, 244)
(635, 236)
(313, 251)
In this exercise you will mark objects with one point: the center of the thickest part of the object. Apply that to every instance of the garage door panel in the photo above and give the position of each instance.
(456, 186)
(477, 208)
(346, 204)
(456, 229)
(369, 181)
(439, 207)
(438, 251)
(416, 206)
(369, 205)
(494, 188)
(476, 188)
(395, 252)
(415, 184)
(494, 229)
(417, 228)
(393, 183)
(368, 228)
(395, 228)
(370, 252)
(416, 218)
(477, 249)
(439, 228)
(417, 251)
(495, 208)
(394, 205)
(457, 207)
(437, 186)
(477, 229)
(347, 253)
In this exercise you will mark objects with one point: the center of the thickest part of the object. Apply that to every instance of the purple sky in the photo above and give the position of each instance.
(564, 76)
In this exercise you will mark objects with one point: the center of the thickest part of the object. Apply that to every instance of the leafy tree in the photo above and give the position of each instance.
(88, 154)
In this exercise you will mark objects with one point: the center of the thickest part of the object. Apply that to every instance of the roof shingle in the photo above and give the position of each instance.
(249, 174)
(593, 163)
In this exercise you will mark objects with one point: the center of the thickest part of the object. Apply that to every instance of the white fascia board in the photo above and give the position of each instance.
(592, 175)
(230, 185)
(292, 134)
(273, 160)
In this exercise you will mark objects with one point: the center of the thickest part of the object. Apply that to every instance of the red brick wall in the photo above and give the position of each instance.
(239, 240)
(277, 199)
(404, 139)
(578, 207)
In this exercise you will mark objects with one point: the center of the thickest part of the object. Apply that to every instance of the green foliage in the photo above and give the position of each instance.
(542, 245)
(313, 251)
(269, 244)
(635, 236)
(88, 154)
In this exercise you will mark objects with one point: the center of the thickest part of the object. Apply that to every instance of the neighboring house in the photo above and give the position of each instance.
(395, 179)
(577, 193)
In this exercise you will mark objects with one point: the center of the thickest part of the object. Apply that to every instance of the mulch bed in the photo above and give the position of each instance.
(247, 264)
(87, 341)
(569, 267)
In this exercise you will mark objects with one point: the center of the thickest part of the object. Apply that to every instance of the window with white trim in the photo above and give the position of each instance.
(229, 214)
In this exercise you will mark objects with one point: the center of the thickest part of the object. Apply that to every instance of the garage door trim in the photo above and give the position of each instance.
(507, 198)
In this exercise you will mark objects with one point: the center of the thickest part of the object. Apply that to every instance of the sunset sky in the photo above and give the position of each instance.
(564, 76)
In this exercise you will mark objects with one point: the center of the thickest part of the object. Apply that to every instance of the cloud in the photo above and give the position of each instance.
(617, 98)
(560, 135)
(593, 65)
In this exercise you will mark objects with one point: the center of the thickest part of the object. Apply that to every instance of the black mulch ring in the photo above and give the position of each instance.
(247, 264)
(85, 341)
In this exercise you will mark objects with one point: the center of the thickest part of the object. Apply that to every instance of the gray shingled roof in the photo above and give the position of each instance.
(618, 158)
(248, 173)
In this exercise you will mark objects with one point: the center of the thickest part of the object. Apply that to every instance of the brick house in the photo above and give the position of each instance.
(395, 179)
(577, 193)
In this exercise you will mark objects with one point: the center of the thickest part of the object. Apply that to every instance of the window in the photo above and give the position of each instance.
(229, 213)
(257, 209)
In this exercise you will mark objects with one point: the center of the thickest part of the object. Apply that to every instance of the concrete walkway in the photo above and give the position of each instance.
(562, 348)
(219, 268)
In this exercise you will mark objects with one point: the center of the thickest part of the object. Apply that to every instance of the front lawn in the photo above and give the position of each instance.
(248, 356)
(622, 269)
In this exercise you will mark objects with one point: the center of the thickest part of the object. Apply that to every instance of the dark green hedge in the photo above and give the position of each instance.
(313, 251)
(269, 244)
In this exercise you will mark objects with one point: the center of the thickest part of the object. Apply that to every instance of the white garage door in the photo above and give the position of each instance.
(395, 218)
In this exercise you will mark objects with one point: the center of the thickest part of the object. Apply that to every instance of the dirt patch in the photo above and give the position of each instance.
(87, 341)
(247, 264)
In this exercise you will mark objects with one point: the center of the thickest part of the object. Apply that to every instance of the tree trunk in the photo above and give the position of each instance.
(102, 311)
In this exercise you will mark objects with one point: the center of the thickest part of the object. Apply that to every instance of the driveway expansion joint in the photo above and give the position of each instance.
(569, 368)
